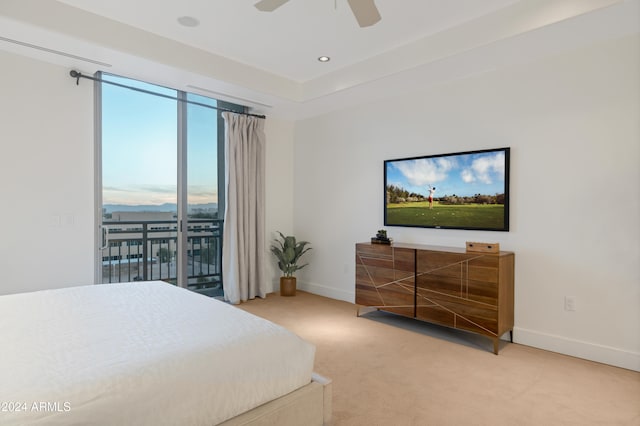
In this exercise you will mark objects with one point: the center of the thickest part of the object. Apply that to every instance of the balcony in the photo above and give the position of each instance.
(146, 251)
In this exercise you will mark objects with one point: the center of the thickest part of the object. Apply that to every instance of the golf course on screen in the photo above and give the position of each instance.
(469, 216)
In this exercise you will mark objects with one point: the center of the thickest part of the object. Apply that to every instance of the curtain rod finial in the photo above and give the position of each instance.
(75, 74)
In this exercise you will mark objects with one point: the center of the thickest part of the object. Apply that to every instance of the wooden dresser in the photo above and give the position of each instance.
(443, 285)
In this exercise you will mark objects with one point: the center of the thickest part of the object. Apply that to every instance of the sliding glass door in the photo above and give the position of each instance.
(160, 195)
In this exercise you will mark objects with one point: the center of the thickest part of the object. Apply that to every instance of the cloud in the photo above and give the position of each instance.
(201, 194)
(425, 171)
(139, 194)
(116, 189)
(467, 176)
(158, 189)
(485, 169)
(156, 194)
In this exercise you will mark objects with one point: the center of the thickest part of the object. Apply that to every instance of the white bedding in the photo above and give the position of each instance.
(144, 353)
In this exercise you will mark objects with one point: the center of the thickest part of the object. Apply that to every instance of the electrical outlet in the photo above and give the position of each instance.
(570, 303)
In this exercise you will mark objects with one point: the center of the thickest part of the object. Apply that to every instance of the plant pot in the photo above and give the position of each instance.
(287, 286)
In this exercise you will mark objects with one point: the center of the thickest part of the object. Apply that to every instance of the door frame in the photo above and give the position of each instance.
(100, 232)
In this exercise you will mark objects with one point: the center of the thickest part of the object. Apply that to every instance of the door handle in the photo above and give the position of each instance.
(105, 237)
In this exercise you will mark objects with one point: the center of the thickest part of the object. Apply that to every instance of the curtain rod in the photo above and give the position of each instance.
(78, 75)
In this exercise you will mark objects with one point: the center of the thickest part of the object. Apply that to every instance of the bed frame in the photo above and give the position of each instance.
(309, 405)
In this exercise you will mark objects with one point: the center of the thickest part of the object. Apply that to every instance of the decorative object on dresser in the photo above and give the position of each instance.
(462, 289)
(483, 247)
(288, 252)
(381, 237)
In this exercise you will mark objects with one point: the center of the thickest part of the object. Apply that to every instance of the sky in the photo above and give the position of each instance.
(139, 146)
(462, 175)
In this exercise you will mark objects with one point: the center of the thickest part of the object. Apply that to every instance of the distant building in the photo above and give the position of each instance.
(125, 240)
(136, 242)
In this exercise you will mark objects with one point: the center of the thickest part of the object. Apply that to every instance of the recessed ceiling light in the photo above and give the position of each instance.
(324, 59)
(188, 21)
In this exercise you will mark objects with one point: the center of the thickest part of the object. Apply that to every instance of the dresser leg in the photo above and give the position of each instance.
(366, 309)
(496, 345)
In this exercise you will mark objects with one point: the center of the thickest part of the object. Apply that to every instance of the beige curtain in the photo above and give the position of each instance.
(243, 244)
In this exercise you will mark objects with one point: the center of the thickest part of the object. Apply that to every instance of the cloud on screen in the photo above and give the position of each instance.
(425, 171)
(484, 169)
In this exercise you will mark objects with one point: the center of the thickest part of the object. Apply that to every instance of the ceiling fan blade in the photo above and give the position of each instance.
(365, 11)
(269, 5)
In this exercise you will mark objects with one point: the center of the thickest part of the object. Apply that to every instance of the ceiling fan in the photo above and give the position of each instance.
(365, 11)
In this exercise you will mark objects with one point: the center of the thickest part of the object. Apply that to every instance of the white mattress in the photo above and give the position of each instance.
(145, 353)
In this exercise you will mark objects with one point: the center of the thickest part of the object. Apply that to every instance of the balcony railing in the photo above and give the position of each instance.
(146, 251)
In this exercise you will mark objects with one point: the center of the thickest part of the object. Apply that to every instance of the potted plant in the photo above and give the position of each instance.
(288, 251)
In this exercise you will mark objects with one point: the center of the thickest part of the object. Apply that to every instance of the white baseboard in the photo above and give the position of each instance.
(563, 345)
(586, 350)
(330, 292)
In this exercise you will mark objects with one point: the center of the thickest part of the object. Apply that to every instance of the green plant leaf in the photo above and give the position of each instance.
(288, 251)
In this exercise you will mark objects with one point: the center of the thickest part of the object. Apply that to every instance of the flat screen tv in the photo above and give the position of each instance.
(461, 190)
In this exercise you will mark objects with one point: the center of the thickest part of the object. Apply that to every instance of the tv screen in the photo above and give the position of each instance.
(462, 190)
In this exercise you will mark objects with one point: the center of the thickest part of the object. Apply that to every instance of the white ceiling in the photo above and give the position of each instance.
(288, 41)
(269, 60)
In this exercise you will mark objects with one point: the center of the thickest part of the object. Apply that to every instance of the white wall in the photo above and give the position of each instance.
(279, 189)
(572, 123)
(46, 177)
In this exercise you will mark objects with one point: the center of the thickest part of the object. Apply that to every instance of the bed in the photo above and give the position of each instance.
(150, 353)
